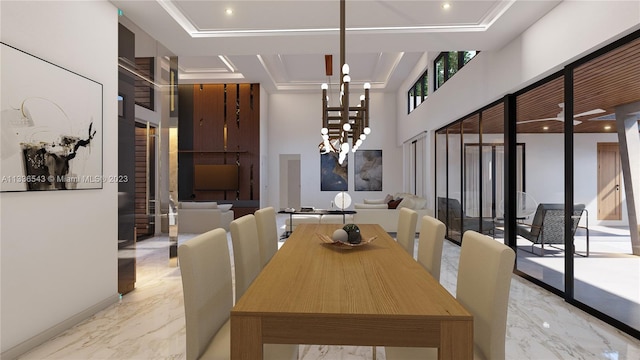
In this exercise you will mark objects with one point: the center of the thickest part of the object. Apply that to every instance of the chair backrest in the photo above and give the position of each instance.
(205, 268)
(450, 213)
(406, 235)
(430, 242)
(484, 279)
(267, 233)
(548, 221)
(246, 252)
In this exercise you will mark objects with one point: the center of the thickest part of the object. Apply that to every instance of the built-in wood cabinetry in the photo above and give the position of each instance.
(220, 124)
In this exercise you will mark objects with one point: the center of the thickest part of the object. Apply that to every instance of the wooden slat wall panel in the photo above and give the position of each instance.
(141, 218)
(237, 106)
(207, 121)
(144, 91)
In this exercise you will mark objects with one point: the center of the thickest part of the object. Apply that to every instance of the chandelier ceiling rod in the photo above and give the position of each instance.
(344, 85)
(339, 127)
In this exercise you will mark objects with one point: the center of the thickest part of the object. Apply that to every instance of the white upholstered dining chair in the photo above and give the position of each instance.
(406, 235)
(246, 252)
(484, 280)
(430, 242)
(205, 268)
(267, 233)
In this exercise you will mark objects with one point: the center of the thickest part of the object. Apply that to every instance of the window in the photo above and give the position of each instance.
(439, 65)
(417, 93)
(448, 63)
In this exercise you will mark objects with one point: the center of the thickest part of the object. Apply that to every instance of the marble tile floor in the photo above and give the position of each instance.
(148, 323)
(599, 282)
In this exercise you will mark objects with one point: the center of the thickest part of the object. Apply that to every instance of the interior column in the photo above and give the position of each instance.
(629, 139)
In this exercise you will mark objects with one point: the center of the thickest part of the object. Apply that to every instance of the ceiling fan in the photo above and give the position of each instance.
(560, 116)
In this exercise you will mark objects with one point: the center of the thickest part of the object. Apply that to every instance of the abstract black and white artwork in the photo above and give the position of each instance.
(333, 175)
(50, 126)
(368, 170)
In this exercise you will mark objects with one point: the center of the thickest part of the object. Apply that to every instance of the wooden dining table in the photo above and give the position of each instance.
(312, 292)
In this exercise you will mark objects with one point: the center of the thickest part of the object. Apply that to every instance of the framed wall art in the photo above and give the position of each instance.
(333, 175)
(50, 126)
(368, 170)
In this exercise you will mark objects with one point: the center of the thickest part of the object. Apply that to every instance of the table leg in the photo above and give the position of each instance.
(456, 340)
(246, 338)
(287, 233)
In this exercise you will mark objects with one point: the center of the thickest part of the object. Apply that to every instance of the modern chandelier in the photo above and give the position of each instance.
(343, 126)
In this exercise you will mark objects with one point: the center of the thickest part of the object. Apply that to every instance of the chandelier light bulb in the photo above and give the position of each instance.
(362, 97)
(358, 143)
(367, 130)
(346, 127)
(363, 137)
(346, 78)
(325, 137)
(345, 69)
(324, 131)
(354, 149)
(367, 85)
(324, 86)
(345, 147)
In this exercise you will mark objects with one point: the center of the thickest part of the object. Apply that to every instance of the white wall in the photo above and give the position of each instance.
(294, 123)
(59, 248)
(569, 31)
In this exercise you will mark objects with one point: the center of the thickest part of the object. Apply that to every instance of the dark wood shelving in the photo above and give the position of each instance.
(220, 124)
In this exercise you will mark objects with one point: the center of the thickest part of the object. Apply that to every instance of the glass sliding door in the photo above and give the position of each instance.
(606, 94)
(540, 228)
(476, 185)
(452, 203)
(575, 181)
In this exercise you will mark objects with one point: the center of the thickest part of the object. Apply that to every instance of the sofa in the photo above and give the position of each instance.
(371, 211)
(386, 211)
(200, 217)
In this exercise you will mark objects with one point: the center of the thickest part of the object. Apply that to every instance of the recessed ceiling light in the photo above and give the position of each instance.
(228, 11)
(446, 6)
(545, 128)
(607, 127)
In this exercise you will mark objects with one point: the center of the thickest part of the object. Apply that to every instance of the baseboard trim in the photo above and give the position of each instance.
(57, 329)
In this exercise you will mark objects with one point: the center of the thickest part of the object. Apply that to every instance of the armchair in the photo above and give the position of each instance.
(200, 217)
(547, 226)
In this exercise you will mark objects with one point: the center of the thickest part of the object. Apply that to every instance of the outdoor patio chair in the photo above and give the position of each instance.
(547, 227)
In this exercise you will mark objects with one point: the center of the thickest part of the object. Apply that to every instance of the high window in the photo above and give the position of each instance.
(448, 63)
(417, 93)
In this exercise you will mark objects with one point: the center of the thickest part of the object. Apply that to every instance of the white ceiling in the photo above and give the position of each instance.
(281, 44)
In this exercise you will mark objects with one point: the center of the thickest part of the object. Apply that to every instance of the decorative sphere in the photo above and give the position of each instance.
(353, 232)
(340, 235)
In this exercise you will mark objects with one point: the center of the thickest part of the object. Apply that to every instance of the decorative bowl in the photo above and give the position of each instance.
(343, 245)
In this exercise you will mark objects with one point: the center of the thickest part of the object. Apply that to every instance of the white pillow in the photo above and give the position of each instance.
(225, 207)
(374, 201)
(198, 205)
